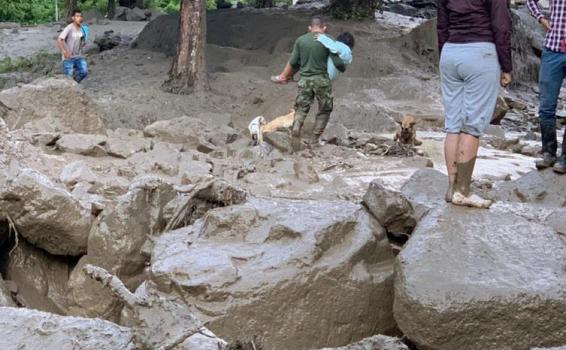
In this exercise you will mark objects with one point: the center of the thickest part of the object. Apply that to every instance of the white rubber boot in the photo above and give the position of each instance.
(473, 200)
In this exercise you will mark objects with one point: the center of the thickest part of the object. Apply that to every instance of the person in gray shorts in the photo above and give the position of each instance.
(474, 39)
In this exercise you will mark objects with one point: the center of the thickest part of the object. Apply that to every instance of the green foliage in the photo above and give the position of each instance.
(172, 6)
(353, 9)
(100, 5)
(39, 61)
(28, 11)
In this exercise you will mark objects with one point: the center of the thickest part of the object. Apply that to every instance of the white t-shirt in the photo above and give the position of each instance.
(72, 40)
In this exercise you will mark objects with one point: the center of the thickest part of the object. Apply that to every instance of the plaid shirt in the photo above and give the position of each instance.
(554, 38)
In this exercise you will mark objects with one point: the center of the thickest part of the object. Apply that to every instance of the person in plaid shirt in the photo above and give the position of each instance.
(552, 73)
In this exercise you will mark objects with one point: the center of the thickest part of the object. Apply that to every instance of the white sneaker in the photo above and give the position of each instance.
(472, 200)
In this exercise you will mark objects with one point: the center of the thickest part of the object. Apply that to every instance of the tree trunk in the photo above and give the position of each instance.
(70, 6)
(354, 9)
(111, 9)
(140, 4)
(188, 72)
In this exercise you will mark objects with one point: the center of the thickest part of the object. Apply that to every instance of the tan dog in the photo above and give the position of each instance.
(408, 133)
(258, 126)
(280, 123)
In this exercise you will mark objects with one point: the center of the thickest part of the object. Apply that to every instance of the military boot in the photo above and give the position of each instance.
(549, 146)
(296, 135)
(319, 126)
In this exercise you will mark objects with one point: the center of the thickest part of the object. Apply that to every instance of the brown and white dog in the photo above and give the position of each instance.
(408, 133)
(258, 126)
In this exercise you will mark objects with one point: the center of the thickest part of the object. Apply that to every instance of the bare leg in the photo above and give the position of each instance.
(465, 161)
(450, 156)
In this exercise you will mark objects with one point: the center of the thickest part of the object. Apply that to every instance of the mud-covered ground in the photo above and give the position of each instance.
(136, 130)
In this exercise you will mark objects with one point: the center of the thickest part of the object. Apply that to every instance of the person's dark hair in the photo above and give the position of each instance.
(346, 38)
(75, 11)
(317, 21)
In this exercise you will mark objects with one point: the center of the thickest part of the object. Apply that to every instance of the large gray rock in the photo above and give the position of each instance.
(28, 329)
(5, 295)
(393, 211)
(538, 187)
(75, 172)
(298, 274)
(115, 243)
(471, 279)
(136, 14)
(191, 132)
(40, 278)
(46, 215)
(58, 98)
(425, 189)
(86, 145)
(377, 342)
(527, 43)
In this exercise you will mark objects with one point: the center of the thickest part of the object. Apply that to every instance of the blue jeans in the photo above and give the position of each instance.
(76, 68)
(552, 73)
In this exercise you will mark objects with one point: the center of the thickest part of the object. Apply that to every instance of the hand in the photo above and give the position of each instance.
(66, 54)
(545, 23)
(506, 79)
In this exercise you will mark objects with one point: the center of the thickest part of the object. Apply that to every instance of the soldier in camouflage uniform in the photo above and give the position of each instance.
(310, 57)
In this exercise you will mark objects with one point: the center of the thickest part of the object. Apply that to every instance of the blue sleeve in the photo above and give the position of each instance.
(336, 47)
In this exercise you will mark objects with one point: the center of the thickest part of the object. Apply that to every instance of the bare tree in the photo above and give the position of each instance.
(188, 72)
(70, 6)
(111, 9)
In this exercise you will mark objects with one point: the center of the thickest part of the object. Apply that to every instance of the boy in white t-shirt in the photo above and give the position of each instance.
(71, 42)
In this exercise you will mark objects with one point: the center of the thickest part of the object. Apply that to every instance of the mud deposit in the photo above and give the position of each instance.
(131, 218)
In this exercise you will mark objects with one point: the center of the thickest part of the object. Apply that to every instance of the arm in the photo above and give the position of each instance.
(338, 62)
(61, 42)
(442, 25)
(501, 26)
(534, 9)
(295, 60)
(342, 50)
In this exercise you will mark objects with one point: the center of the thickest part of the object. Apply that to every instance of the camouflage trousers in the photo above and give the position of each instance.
(319, 87)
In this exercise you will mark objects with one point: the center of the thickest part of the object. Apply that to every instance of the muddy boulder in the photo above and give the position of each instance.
(471, 279)
(75, 172)
(191, 132)
(393, 211)
(377, 342)
(537, 187)
(44, 214)
(425, 190)
(86, 145)
(115, 243)
(296, 274)
(501, 109)
(58, 98)
(40, 278)
(5, 294)
(28, 329)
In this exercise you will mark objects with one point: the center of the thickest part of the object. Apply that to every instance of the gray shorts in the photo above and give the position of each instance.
(469, 78)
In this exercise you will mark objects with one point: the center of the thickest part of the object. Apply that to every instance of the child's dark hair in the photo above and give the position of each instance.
(346, 38)
(75, 11)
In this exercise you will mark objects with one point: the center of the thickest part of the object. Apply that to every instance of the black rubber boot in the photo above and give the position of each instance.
(549, 146)
(560, 166)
